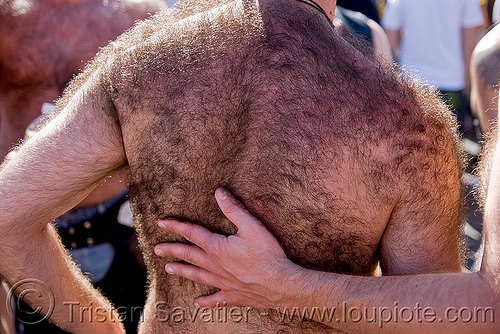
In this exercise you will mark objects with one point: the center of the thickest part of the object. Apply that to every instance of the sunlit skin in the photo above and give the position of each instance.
(484, 79)
(250, 268)
(42, 47)
(263, 98)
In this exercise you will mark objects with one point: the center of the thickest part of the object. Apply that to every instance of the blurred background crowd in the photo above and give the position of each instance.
(452, 45)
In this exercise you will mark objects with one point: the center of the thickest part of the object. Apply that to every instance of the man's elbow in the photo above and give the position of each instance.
(16, 231)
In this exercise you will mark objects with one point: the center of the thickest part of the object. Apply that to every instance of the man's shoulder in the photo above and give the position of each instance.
(429, 144)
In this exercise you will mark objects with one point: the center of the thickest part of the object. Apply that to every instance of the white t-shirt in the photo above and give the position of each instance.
(171, 3)
(431, 43)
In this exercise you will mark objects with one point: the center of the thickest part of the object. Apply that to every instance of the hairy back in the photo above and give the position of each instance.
(267, 101)
(44, 43)
(47, 41)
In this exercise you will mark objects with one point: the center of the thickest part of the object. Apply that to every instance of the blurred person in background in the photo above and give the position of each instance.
(368, 30)
(487, 8)
(43, 44)
(367, 7)
(435, 39)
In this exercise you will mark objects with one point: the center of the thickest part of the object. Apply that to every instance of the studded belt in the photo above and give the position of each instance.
(89, 226)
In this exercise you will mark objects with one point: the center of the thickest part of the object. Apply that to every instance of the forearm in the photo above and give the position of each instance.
(448, 302)
(433, 302)
(6, 319)
(470, 39)
(39, 262)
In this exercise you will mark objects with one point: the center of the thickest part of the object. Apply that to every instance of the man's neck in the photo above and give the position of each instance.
(328, 6)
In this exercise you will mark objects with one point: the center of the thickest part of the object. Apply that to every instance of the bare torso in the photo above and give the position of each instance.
(291, 119)
(43, 44)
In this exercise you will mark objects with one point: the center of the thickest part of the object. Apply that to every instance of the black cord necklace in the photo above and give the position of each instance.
(315, 5)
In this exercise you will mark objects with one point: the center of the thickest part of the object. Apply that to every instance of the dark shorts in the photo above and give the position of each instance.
(460, 104)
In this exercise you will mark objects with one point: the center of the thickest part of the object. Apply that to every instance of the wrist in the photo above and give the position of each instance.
(300, 288)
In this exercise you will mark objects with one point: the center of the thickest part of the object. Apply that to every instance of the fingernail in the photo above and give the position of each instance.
(161, 224)
(221, 193)
(196, 304)
(170, 270)
(159, 252)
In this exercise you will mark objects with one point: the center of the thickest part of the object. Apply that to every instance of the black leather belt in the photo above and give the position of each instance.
(102, 227)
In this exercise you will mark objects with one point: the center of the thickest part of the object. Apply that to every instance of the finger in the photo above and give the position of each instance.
(195, 233)
(222, 298)
(215, 300)
(234, 210)
(192, 273)
(189, 253)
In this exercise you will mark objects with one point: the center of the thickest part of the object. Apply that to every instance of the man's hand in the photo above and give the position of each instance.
(250, 267)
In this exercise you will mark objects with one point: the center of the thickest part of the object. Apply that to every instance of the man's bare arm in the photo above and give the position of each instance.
(470, 38)
(381, 44)
(394, 37)
(424, 229)
(50, 174)
(484, 78)
(251, 269)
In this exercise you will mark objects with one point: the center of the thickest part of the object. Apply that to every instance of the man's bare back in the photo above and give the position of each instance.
(276, 111)
(267, 101)
(44, 43)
